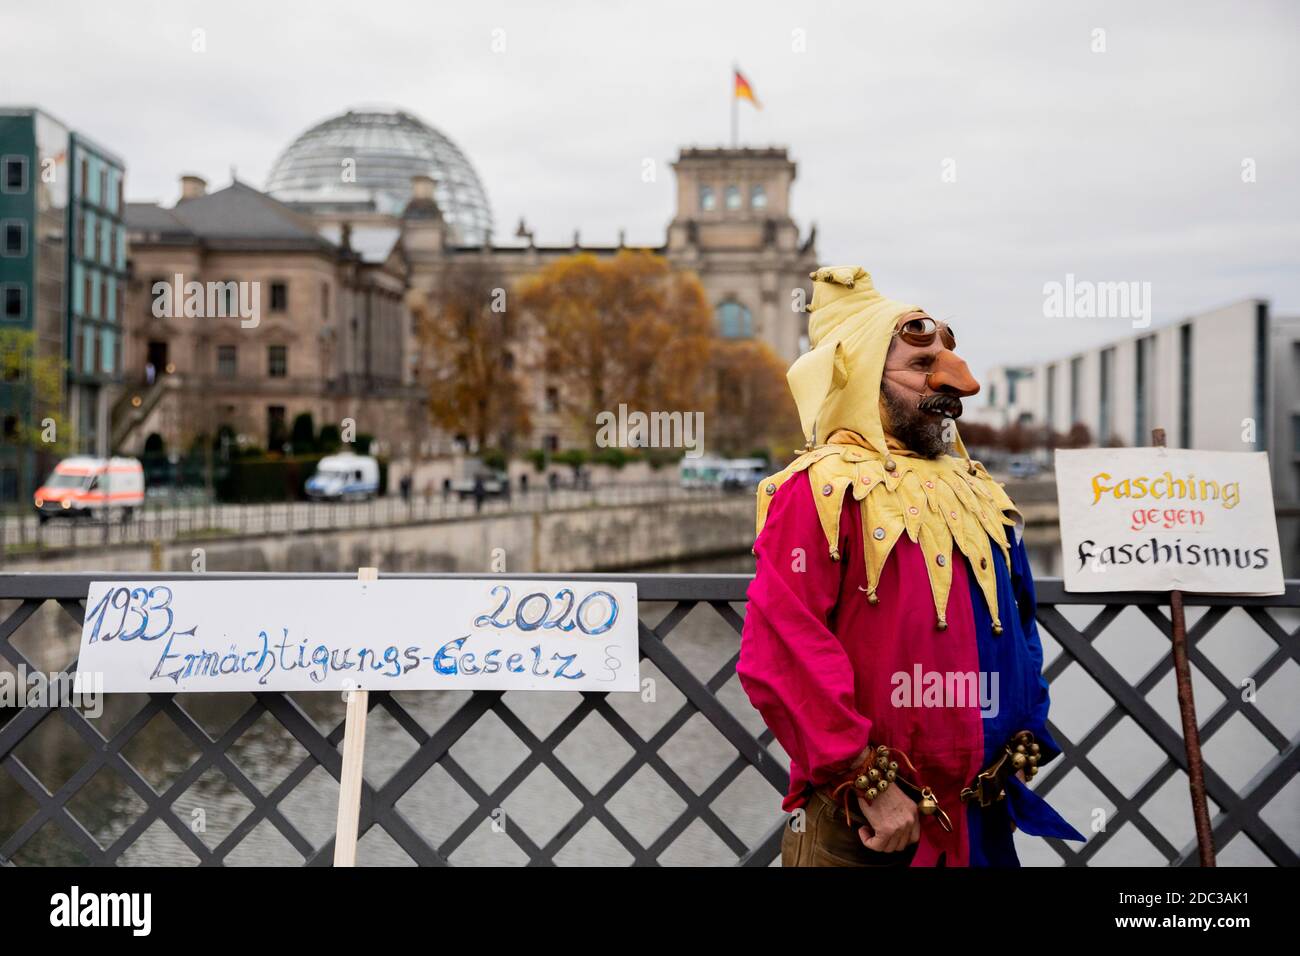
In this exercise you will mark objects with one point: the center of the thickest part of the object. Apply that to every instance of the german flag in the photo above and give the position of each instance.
(744, 91)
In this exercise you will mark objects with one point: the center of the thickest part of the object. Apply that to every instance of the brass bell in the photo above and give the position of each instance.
(872, 599)
(997, 628)
(862, 783)
(882, 786)
(891, 774)
(941, 624)
(928, 804)
(882, 750)
(882, 763)
(893, 765)
(1034, 748)
(873, 774)
(1018, 761)
(1020, 748)
(872, 794)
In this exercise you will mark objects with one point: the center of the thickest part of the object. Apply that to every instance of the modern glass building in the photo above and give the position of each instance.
(63, 278)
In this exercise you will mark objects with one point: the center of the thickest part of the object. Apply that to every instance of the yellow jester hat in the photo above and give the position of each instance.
(939, 502)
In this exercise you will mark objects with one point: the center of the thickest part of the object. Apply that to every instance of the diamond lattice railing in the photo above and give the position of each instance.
(684, 773)
(1238, 812)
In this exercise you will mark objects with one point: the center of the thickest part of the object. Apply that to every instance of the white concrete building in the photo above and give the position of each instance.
(1226, 380)
(1284, 440)
(1011, 397)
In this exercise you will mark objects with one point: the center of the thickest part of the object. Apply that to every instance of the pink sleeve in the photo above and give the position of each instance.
(793, 668)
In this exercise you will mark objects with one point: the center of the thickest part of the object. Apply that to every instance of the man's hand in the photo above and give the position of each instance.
(894, 819)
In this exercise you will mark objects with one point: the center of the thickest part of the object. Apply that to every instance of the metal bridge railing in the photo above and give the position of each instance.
(683, 774)
(22, 534)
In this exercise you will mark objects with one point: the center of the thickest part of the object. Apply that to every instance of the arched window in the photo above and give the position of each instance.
(733, 197)
(757, 197)
(735, 321)
(708, 199)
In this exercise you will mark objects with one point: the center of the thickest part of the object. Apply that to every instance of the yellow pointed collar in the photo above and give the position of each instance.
(939, 502)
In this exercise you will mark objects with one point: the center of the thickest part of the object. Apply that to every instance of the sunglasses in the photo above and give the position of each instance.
(921, 332)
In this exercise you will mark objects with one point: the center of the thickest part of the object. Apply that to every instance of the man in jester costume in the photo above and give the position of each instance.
(889, 642)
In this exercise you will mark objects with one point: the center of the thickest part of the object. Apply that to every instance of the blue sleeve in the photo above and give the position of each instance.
(1022, 583)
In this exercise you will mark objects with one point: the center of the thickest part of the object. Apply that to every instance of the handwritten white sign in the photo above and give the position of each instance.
(1162, 519)
(479, 634)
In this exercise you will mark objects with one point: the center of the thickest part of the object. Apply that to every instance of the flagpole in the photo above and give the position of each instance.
(735, 106)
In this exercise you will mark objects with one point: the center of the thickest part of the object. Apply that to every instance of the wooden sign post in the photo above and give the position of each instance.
(350, 776)
(1170, 520)
(1187, 711)
(200, 635)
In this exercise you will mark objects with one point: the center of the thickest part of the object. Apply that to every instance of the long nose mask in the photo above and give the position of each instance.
(950, 373)
(947, 373)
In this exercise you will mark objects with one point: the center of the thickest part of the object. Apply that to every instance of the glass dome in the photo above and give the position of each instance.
(387, 148)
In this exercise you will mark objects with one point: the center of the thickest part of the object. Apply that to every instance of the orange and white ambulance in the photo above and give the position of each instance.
(82, 486)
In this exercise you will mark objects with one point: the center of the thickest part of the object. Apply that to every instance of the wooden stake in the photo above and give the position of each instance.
(354, 751)
(1187, 711)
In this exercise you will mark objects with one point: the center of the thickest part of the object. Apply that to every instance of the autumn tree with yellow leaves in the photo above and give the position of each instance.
(602, 332)
(753, 407)
(472, 338)
(625, 330)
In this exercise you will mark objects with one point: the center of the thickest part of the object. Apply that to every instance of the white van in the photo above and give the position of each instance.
(82, 485)
(726, 473)
(344, 477)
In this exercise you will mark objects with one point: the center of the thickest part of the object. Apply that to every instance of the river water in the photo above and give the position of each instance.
(212, 805)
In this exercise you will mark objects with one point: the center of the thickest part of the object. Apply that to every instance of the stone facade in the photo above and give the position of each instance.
(346, 263)
(331, 337)
(744, 247)
(734, 230)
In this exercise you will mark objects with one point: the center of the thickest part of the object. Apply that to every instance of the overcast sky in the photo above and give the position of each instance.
(1117, 165)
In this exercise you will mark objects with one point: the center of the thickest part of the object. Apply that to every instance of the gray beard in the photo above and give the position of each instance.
(921, 432)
